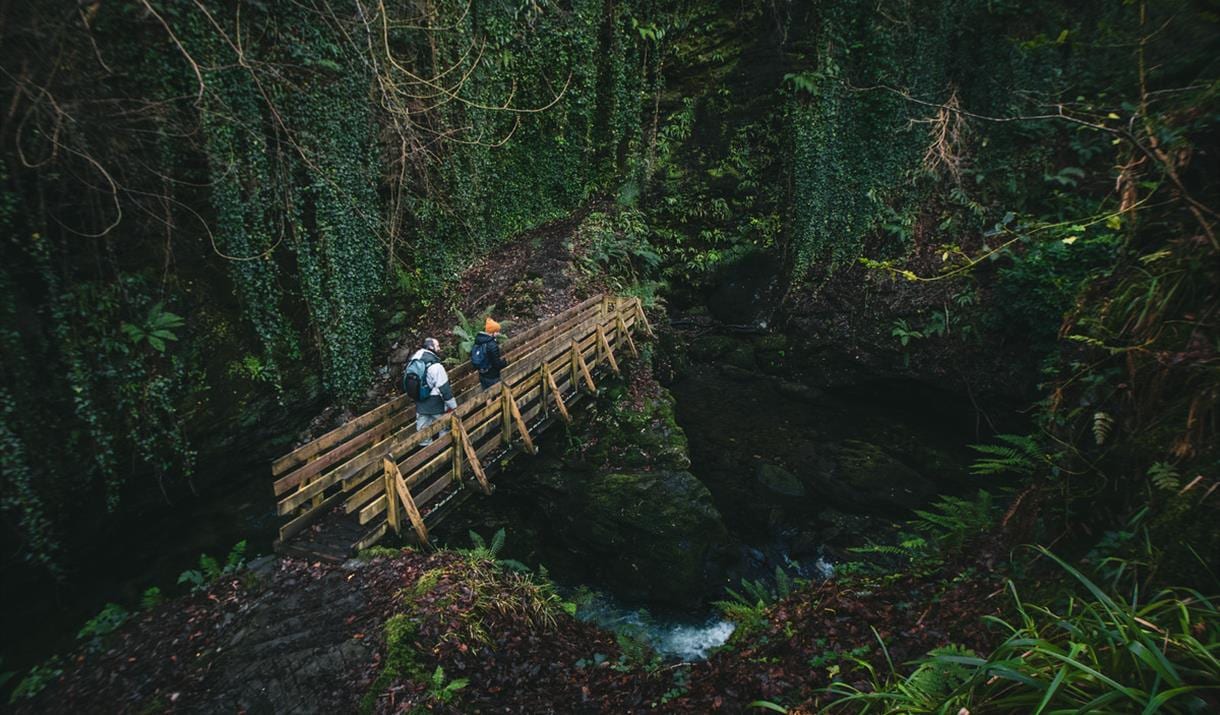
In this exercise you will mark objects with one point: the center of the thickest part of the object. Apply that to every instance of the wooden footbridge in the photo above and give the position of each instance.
(343, 491)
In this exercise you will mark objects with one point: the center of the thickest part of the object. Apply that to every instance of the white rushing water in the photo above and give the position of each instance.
(693, 642)
(670, 638)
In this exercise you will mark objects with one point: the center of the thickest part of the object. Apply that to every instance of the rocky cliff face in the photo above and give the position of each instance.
(619, 508)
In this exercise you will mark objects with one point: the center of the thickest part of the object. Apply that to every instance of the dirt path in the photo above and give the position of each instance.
(285, 636)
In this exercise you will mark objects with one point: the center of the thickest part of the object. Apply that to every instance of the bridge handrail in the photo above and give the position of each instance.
(548, 362)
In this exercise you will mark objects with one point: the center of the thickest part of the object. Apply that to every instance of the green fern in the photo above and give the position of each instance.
(939, 676)
(497, 542)
(783, 583)
(952, 521)
(1017, 454)
(749, 618)
(465, 331)
(444, 692)
(909, 548)
(483, 550)
(1165, 477)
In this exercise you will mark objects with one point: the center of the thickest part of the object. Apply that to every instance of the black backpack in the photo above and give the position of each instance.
(415, 376)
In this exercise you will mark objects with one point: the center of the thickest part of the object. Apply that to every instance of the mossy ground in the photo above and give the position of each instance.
(421, 623)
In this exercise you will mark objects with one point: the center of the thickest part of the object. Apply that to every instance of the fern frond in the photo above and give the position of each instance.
(514, 565)
(1019, 454)
(1025, 443)
(783, 583)
(1165, 477)
(497, 542)
(1103, 423)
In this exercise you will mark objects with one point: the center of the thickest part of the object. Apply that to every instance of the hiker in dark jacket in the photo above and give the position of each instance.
(492, 361)
(440, 400)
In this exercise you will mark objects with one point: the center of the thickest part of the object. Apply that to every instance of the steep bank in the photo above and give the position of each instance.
(456, 633)
(612, 504)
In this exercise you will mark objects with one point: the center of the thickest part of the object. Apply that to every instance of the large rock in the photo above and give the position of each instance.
(779, 481)
(655, 535)
(622, 508)
(862, 477)
(633, 434)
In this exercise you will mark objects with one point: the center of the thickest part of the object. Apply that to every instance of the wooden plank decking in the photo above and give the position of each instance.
(346, 489)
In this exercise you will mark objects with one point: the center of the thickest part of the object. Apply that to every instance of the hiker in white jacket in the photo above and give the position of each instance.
(439, 399)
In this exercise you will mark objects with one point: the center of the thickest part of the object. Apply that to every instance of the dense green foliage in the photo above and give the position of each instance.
(317, 161)
(206, 210)
(1096, 651)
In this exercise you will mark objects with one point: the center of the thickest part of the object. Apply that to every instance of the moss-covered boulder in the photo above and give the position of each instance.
(724, 350)
(779, 481)
(638, 429)
(621, 509)
(654, 535)
(771, 351)
(863, 477)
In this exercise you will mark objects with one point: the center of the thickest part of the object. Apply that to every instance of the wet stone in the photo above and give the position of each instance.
(778, 480)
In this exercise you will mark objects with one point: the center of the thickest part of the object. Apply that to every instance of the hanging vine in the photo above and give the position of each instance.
(248, 177)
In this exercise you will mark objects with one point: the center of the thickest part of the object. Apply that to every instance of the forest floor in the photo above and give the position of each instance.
(294, 636)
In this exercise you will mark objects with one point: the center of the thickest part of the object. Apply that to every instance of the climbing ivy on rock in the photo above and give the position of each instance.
(242, 197)
(272, 164)
(335, 207)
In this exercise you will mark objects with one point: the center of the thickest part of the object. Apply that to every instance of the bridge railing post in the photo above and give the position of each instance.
(460, 435)
(506, 417)
(455, 448)
(604, 346)
(391, 500)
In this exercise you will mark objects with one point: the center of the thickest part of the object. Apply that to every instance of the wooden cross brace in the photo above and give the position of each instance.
(581, 368)
(395, 486)
(459, 433)
(622, 330)
(604, 346)
(511, 411)
(548, 381)
(639, 314)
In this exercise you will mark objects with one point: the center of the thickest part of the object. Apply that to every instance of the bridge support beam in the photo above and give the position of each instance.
(397, 492)
(603, 347)
(460, 435)
(548, 382)
(626, 335)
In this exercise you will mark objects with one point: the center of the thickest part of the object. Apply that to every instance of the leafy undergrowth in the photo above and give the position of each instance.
(819, 635)
(457, 632)
(508, 637)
